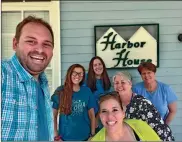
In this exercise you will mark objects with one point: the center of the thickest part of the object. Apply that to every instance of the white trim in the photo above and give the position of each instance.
(55, 22)
(9, 6)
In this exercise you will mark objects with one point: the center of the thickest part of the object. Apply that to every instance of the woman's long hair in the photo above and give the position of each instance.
(65, 104)
(91, 79)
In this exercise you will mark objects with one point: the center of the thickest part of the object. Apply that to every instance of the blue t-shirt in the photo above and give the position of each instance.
(76, 126)
(161, 97)
(43, 134)
(98, 92)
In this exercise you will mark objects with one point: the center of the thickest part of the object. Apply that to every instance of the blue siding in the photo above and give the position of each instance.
(98, 15)
(78, 32)
(81, 24)
(77, 37)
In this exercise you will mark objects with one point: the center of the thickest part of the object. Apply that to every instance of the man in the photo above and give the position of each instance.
(26, 113)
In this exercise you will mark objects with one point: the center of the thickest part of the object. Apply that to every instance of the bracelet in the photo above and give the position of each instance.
(57, 138)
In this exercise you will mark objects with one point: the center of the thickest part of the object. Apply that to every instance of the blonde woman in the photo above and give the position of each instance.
(137, 107)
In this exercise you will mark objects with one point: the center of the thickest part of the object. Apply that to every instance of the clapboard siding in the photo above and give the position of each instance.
(94, 15)
(179, 97)
(170, 46)
(178, 136)
(169, 72)
(119, 6)
(178, 114)
(176, 128)
(65, 66)
(171, 55)
(178, 89)
(177, 121)
(77, 37)
(89, 40)
(166, 63)
(80, 24)
(179, 106)
(160, 71)
(77, 57)
(170, 30)
(174, 79)
(164, 30)
(78, 41)
(72, 49)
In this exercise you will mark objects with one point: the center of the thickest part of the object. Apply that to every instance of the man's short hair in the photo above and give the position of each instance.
(32, 19)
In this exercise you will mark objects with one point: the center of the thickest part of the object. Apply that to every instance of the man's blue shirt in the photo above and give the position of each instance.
(19, 105)
(43, 134)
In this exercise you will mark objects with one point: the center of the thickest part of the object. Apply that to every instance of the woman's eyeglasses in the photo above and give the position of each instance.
(80, 74)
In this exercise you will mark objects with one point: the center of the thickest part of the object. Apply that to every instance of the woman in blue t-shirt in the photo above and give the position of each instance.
(160, 94)
(75, 104)
(97, 79)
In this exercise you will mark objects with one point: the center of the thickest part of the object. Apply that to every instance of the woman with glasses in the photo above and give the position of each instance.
(116, 128)
(137, 107)
(75, 105)
(98, 81)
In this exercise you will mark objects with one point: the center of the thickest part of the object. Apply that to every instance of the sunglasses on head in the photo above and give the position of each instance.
(113, 93)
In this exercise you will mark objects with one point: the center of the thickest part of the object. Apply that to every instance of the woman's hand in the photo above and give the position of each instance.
(172, 112)
(92, 120)
(58, 138)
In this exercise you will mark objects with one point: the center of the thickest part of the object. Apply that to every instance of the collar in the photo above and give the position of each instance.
(23, 74)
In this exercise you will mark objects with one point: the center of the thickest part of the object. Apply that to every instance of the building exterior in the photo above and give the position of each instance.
(75, 38)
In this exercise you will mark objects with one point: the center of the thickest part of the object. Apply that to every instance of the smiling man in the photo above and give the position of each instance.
(26, 113)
